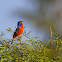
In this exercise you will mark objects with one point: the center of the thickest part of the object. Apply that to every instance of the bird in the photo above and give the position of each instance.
(19, 30)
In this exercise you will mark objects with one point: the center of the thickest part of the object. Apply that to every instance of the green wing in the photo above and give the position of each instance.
(16, 32)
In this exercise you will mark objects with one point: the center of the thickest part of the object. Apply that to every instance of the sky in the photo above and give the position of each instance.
(7, 20)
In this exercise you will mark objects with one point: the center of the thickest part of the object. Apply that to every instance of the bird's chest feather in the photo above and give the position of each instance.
(20, 31)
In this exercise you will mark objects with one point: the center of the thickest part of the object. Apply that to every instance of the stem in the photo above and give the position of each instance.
(51, 47)
(51, 41)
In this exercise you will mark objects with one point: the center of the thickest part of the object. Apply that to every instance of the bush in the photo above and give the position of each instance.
(31, 49)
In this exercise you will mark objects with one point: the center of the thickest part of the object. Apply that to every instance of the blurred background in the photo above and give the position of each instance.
(37, 16)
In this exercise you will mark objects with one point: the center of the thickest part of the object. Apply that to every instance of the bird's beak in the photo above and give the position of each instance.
(21, 22)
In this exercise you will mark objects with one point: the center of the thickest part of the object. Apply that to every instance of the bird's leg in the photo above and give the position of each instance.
(20, 36)
(20, 40)
(12, 41)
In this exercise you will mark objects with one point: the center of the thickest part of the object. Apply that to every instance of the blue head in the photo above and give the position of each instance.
(19, 24)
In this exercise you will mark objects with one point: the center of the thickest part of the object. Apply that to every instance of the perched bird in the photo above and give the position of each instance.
(19, 30)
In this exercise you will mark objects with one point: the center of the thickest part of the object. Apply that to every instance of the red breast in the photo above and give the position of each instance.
(21, 30)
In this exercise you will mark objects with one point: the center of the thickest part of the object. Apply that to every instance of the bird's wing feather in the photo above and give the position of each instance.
(16, 32)
(17, 29)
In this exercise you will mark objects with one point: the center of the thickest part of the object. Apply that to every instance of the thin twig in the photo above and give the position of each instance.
(51, 41)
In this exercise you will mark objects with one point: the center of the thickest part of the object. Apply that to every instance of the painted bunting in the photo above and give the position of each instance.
(19, 30)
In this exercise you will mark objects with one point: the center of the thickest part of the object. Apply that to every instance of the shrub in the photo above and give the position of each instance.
(31, 49)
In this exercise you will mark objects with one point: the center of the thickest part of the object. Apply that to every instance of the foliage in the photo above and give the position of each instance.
(31, 49)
